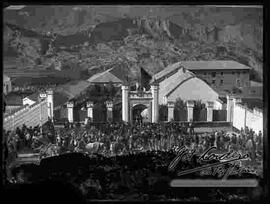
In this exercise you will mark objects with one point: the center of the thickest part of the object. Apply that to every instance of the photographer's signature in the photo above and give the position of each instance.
(215, 163)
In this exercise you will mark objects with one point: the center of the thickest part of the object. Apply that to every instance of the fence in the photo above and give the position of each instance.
(29, 115)
(163, 113)
(79, 115)
(219, 115)
(99, 114)
(117, 114)
(180, 114)
(200, 114)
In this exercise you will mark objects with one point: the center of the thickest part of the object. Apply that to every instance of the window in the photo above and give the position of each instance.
(204, 73)
(221, 82)
(213, 81)
(221, 73)
(213, 74)
(232, 72)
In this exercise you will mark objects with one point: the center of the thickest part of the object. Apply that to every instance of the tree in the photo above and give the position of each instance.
(180, 104)
(198, 105)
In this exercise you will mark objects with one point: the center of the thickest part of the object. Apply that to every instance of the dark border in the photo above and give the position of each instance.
(190, 2)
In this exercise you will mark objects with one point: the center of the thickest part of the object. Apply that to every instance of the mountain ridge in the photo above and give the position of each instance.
(153, 41)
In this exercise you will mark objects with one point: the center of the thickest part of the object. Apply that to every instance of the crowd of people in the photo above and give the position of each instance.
(26, 139)
(128, 161)
(112, 139)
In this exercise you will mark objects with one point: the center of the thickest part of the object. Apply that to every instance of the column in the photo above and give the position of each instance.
(50, 103)
(125, 103)
(190, 106)
(170, 111)
(90, 106)
(155, 106)
(109, 105)
(130, 113)
(70, 106)
(229, 108)
(234, 101)
(210, 106)
(150, 112)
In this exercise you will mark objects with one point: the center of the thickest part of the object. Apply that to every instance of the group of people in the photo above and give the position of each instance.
(120, 138)
(26, 139)
(124, 138)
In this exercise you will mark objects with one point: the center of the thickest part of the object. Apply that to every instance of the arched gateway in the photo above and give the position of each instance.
(140, 100)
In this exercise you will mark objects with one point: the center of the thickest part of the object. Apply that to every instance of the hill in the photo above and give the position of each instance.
(94, 37)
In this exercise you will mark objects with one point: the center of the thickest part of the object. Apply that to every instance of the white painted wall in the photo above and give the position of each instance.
(27, 101)
(218, 105)
(194, 89)
(30, 116)
(239, 117)
(255, 120)
(245, 117)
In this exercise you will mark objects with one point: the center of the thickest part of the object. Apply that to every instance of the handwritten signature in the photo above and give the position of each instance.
(215, 163)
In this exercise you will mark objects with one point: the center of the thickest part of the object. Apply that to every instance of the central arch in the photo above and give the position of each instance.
(149, 100)
(140, 113)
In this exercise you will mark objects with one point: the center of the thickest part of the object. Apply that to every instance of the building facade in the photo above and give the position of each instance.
(223, 75)
(224, 79)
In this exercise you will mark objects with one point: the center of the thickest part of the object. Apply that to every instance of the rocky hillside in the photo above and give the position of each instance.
(95, 37)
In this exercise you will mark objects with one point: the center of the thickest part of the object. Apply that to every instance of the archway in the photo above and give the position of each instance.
(140, 113)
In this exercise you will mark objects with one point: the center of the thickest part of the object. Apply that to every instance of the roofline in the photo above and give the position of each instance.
(106, 82)
(186, 67)
(164, 76)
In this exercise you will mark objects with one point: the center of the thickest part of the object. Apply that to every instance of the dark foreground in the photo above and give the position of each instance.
(143, 176)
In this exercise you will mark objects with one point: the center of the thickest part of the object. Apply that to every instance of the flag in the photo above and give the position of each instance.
(145, 79)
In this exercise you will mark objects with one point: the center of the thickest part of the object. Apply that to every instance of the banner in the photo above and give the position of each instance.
(145, 79)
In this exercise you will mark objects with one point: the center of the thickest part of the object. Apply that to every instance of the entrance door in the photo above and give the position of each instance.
(140, 114)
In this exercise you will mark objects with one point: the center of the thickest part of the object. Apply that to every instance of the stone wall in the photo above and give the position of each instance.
(242, 116)
(29, 115)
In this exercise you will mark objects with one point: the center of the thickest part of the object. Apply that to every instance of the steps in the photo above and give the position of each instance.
(28, 158)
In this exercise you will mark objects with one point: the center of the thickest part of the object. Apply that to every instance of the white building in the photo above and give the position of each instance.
(183, 84)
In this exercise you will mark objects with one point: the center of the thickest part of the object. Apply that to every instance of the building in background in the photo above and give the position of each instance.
(13, 102)
(219, 74)
(182, 83)
(254, 91)
(7, 87)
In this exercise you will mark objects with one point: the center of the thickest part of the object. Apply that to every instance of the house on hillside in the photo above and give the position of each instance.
(13, 102)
